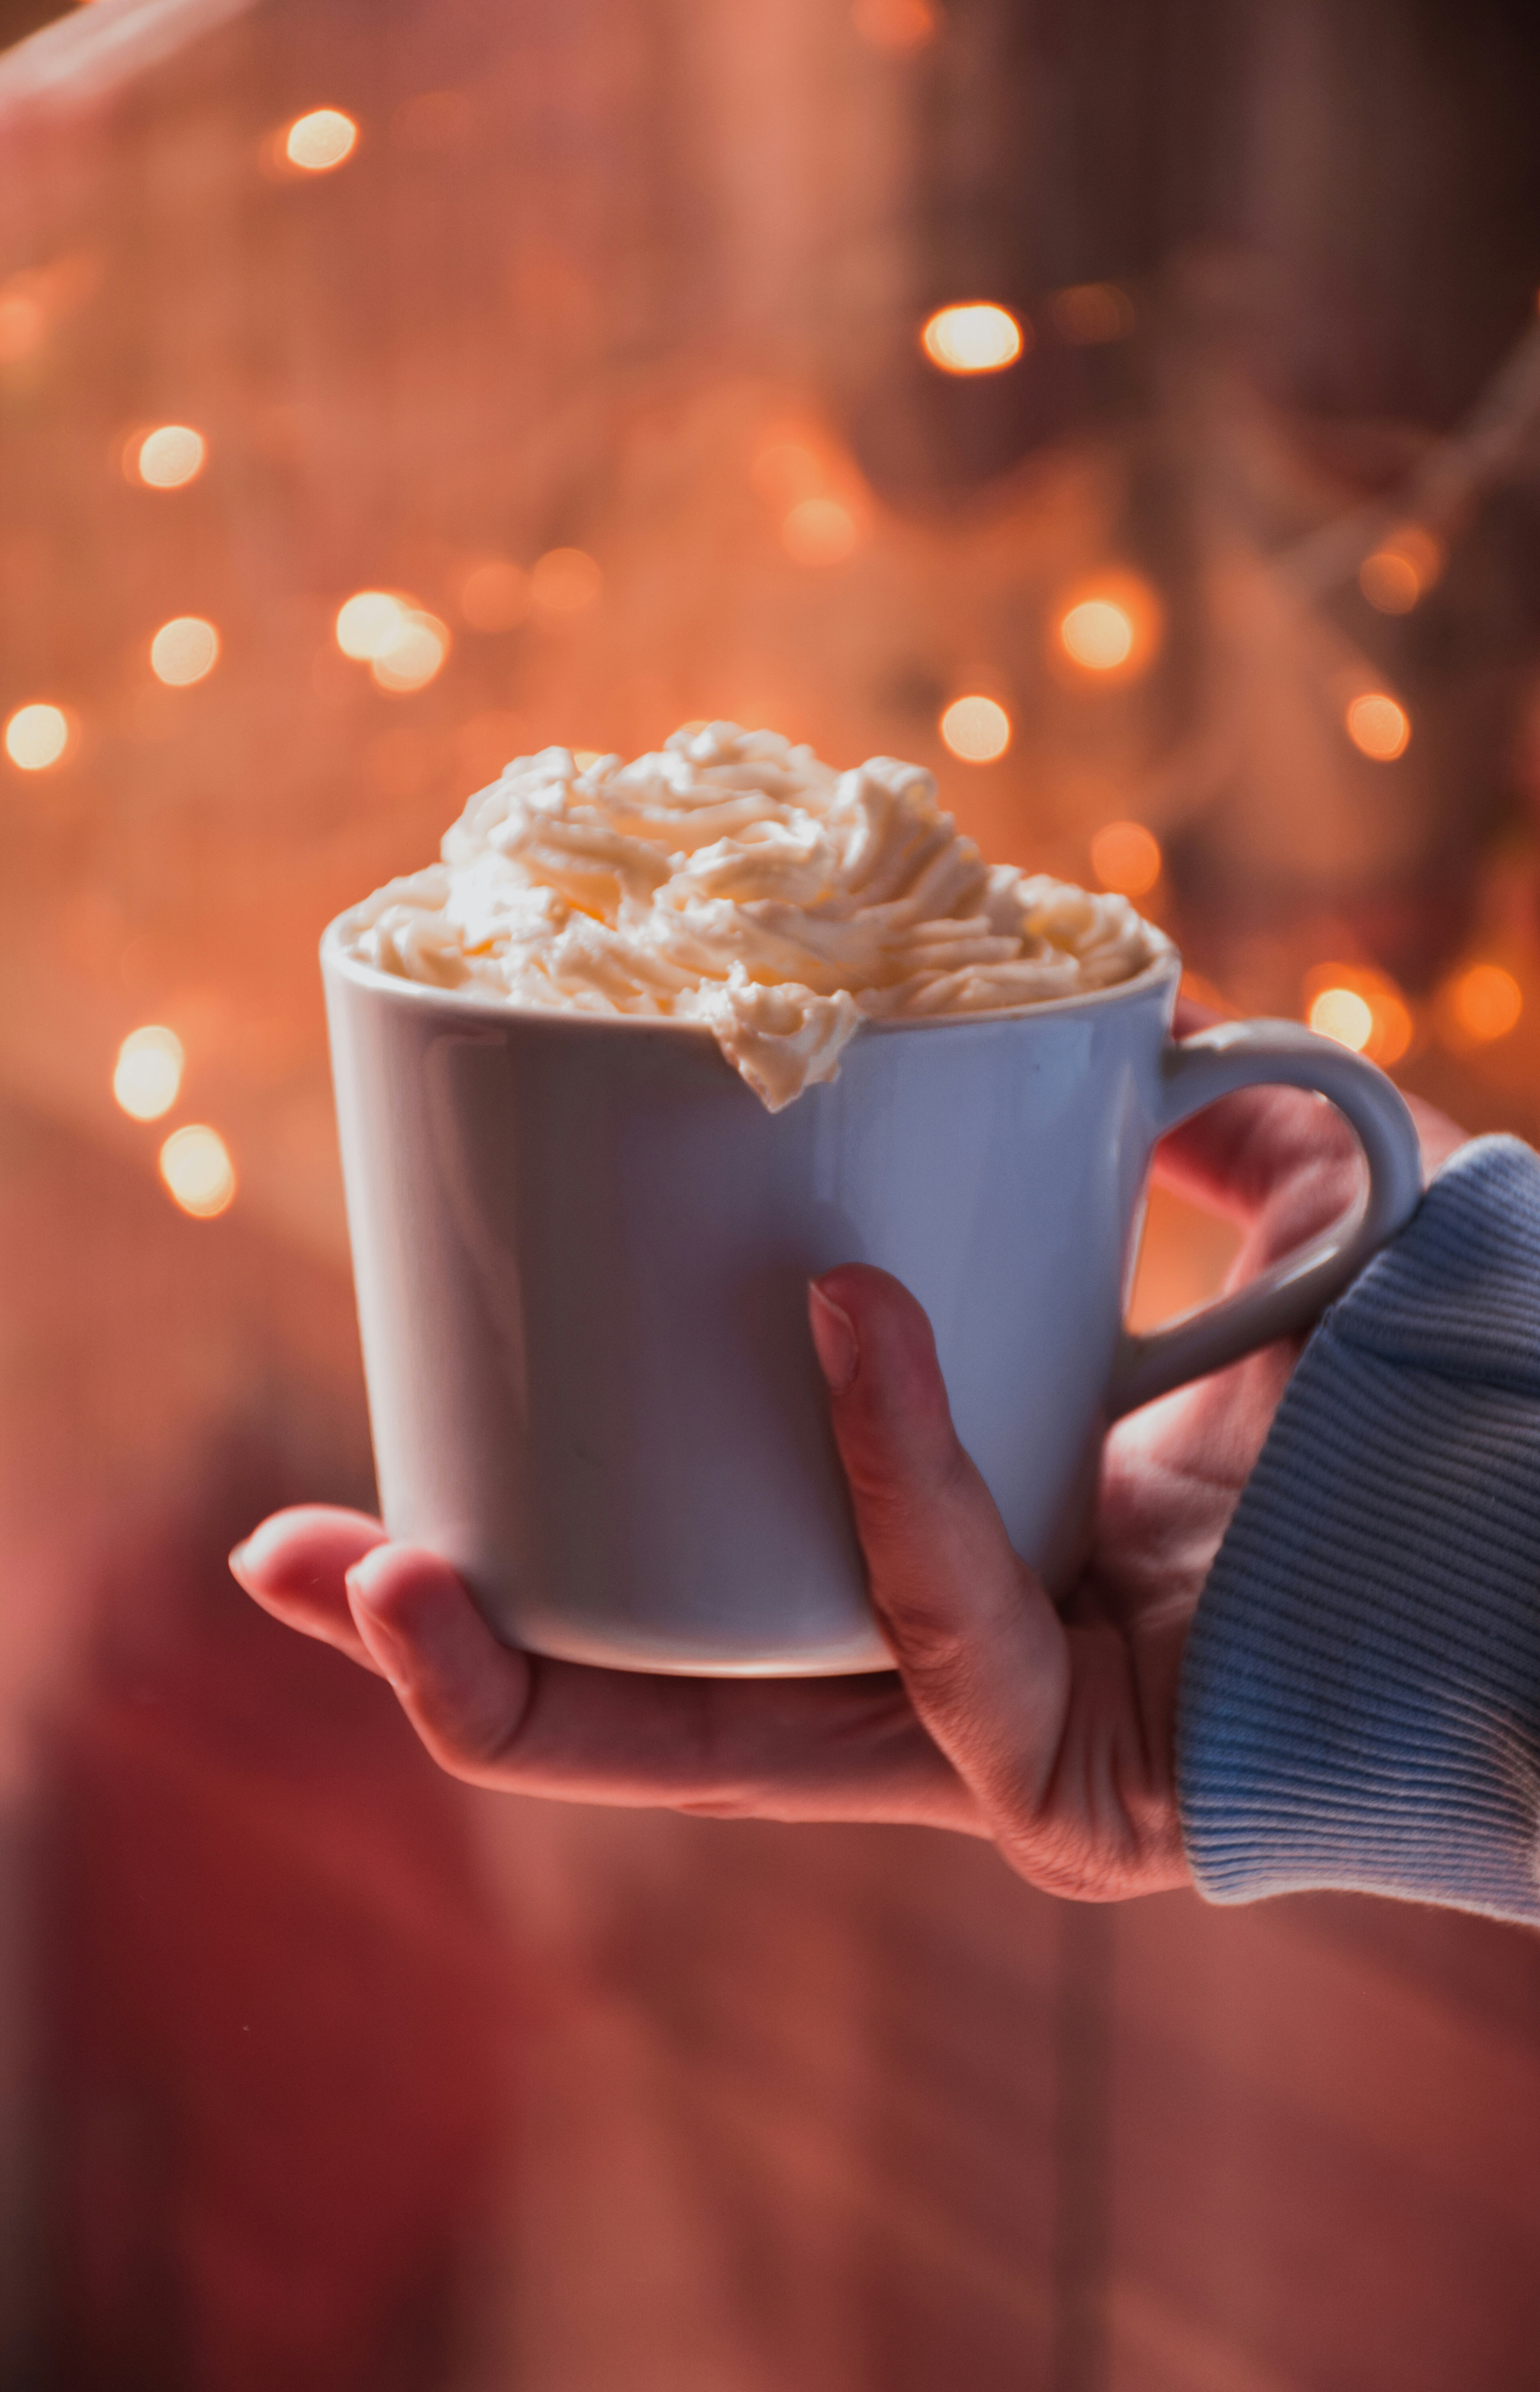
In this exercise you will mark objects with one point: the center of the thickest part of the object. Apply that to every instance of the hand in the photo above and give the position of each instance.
(1053, 1734)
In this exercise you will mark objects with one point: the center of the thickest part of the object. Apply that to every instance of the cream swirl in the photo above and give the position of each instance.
(735, 881)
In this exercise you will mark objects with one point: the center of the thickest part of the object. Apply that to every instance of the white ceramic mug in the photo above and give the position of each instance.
(582, 1248)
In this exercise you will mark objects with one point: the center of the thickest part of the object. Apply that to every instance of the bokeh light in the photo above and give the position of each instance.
(168, 456)
(184, 650)
(1401, 569)
(37, 736)
(196, 1167)
(1389, 582)
(819, 531)
(368, 621)
(320, 140)
(1098, 633)
(1342, 1014)
(894, 24)
(1485, 1002)
(410, 659)
(1089, 313)
(495, 596)
(147, 1078)
(976, 338)
(1125, 856)
(1359, 1006)
(1377, 726)
(566, 581)
(976, 729)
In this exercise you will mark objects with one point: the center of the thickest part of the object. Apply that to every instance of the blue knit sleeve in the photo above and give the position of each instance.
(1360, 1701)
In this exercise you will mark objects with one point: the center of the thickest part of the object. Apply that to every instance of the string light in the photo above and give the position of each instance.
(196, 1167)
(819, 531)
(1359, 1008)
(36, 736)
(1485, 1001)
(1098, 633)
(1377, 726)
(1398, 572)
(1126, 857)
(147, 1078)
(184, 650)
(566, 581)
(167, 458)
(413, 656)
(321, 140)
(1089, 313)
(976, 729)
(1342, 1014)
(975, 338)
(368, 621)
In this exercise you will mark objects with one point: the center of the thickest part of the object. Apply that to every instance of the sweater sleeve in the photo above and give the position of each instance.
(1360, 1702)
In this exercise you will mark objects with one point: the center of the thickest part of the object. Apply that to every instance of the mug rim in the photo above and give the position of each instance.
(1165, 966)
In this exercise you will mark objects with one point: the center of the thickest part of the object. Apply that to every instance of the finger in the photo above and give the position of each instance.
(980, 1647)
(295, 1565)
(785, 1749)
(1240, 1155)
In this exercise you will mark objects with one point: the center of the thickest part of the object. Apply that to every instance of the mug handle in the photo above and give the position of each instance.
(1286, 1298)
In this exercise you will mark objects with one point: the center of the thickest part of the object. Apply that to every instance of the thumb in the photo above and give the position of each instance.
(980, 1647)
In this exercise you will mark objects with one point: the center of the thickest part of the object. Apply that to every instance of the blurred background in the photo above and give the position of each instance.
(1131, 410)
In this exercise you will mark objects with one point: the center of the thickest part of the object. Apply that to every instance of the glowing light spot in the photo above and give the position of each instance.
(894, 24)
(1359, 1008)
(1126, 857)
(23, 321)
(976, 729)
(196, 1167)
(1401, 569)
(318, 142)
(1389, 582)
(368, 621)
(819, 531)
(496, 596)
(1342, 1014)
(413, 656)
(184, 650)
(148, 1075)
(976, 338)
(1098, 633)
(1485, 1002)
(37, 736)
(565, 581)
(1089, 313)
(1377, 726)
(170, 456)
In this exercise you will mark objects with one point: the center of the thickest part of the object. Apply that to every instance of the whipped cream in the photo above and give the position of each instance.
(736, 881)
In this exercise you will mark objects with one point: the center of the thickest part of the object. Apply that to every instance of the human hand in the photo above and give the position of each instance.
(1050, 1730)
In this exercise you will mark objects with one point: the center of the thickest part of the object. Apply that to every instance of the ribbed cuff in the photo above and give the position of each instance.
(1360, 1701)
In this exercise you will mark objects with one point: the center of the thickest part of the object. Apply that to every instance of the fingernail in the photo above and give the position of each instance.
(834, 1340)
(237, 1562)
(380, 1637)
